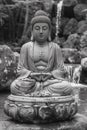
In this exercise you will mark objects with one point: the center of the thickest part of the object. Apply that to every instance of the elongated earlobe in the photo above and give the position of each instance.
(32, 37)
(49, 38)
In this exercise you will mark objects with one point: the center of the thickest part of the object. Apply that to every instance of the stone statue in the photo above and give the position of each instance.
(41, 69)
(42, 93)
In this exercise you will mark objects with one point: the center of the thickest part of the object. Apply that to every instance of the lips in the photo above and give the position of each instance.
(41, 36)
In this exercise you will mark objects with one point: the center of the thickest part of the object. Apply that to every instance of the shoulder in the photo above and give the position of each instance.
(55, 45)
(27, 45)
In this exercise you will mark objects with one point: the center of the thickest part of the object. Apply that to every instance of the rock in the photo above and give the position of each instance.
(83, 40)
(84, 63)
(83, 73)
(76, 74)
(82, 29)
(80, 73)
(83, 45)
(70, 27)
(71, 55)
(82, 22)
(79, 15)
(73, 41)
(83, 52)
(8, 65)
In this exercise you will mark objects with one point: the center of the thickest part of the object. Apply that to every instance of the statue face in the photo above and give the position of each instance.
(41, 32)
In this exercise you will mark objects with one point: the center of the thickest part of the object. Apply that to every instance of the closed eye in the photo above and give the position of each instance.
(45, 27)
(37, 27)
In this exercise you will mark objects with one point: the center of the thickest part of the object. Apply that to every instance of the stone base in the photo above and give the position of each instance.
(79, 122)
(40, 109)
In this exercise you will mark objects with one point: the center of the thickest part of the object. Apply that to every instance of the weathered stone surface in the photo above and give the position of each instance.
(83, 73)
(70, 27)
(73, 41)
(82, 29)
(82, 22)
(83, 40)
(80, 72)
(8, 64)
(84, 63)
(71, 55)
(83, 44)
(80, 120)
(76, 74)
(78, 11)
(83, 52)
(41, 109)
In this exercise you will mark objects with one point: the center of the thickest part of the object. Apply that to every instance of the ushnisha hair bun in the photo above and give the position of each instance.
(41, 16)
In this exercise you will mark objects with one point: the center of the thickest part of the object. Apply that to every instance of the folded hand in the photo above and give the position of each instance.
(41, 76)
(36, 76)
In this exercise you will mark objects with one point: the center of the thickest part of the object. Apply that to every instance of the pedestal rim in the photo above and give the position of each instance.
(54, 99)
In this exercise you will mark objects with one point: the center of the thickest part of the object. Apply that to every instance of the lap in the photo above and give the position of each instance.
(58, 87)
(57, 83)
(22, 85)
(30, 85)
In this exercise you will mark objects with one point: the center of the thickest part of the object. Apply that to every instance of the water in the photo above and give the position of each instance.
(58, 17)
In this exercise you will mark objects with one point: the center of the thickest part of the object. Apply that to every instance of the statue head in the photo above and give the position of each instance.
(41, 26)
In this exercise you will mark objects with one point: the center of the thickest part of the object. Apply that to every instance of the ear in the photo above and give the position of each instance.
(49, 37)
(31, 33)
(32, 37)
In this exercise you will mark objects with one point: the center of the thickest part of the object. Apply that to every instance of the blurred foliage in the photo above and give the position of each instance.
(3, 15)
(15, 16)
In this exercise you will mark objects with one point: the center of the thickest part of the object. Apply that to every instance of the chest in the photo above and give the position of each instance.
(41, 53)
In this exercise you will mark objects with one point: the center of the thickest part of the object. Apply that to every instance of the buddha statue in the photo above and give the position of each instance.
(42, 92)
(41, 68)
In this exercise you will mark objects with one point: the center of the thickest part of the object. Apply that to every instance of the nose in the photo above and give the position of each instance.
(41, 30)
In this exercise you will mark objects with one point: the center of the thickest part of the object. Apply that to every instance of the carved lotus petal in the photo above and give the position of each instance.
(73, 109)
(39, 109)
(13, 110)
(27, 113)
(60, 110)
(6, 107)
(45, 112)
(67, 111)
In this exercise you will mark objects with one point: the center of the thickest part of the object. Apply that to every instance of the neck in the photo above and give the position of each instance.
(41, 43)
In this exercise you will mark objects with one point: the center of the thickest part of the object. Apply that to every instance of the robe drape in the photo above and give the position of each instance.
(57, 84)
